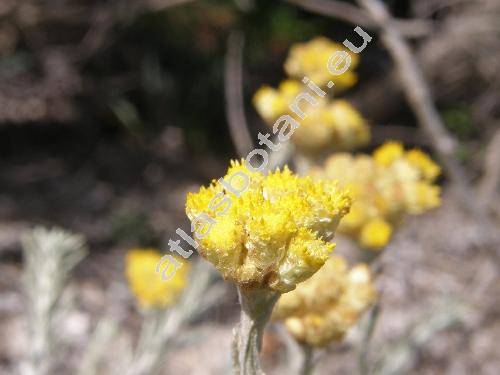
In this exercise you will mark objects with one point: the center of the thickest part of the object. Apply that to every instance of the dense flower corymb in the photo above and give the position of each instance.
(269, 231)
(150, 290)
(325, 125)
(323, 308)
(328, 125)
(386, 186)
(334, 125)
(311, 60)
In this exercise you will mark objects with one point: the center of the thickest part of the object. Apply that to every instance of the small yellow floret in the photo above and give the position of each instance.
(388, 153)
(375, 234)
(150, 290)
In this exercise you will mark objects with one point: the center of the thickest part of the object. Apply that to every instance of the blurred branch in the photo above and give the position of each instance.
(364, 352)
(300, 358)
(337, 9)
(401, 356)
(488, 186)
(245, 5)
(104, 17)
(292, 349)
(419, 98)
(307, 365)
(466, 77)
(233, 86)
(159, 5)
(350, 13)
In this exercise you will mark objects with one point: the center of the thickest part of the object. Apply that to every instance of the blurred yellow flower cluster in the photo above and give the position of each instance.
(311, 60)
(332, 124)
(385, 186)
(323, 308)
(274, 234)
(148, 287)
(325, 124)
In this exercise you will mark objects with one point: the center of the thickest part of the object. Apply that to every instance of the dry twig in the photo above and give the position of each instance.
(233, 86)
(103, 18)
(350, 13)
(400, 356)
(419, 97)
(488, 186)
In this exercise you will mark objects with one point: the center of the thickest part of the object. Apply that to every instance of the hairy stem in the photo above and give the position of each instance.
(256, 308)
(306, 367)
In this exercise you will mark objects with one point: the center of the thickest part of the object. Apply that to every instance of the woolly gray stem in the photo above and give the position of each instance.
(306, 367)
(256, 308)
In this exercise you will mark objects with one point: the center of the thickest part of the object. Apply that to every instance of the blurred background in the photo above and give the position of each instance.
(110, 111)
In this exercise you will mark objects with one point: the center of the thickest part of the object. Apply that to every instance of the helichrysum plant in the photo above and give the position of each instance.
(266, 239)
(326, 124)
(49, 257)
(157, 299)
(386, 186)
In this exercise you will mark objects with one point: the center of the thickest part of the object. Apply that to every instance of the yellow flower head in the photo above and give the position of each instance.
(375, 234)
(323, 308)
(311, 60)
(388, 153)
(148, 287)
(386, 186)
(269, 231)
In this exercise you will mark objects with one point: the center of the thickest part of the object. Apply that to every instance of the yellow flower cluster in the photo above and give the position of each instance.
(385, 186)
(267, 231)
(332, 124)
(335, 125)
(311, 60)
(323, 308)
(325, 124)
(148, 287)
